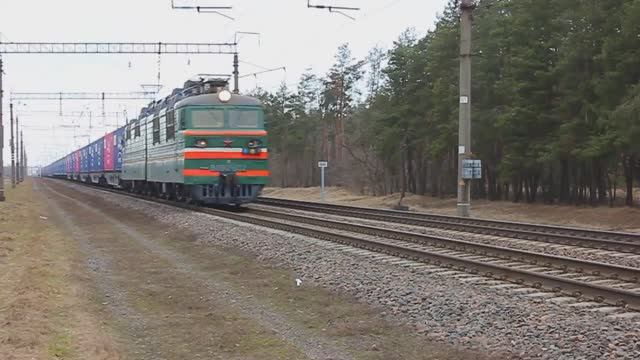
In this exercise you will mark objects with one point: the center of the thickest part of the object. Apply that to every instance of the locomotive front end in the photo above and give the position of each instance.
(224, 147)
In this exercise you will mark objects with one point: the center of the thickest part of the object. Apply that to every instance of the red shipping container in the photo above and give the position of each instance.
(77, 156)
(109, 152)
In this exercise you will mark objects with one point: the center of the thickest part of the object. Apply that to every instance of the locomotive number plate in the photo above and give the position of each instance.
(222, 167)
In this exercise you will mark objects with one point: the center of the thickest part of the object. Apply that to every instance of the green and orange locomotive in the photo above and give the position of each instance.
(202, 144)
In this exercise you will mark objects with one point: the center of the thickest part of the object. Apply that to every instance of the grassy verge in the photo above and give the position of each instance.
(154, 308)
(338, 317)
(39, 312)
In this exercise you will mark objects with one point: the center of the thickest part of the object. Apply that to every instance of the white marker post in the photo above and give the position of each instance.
(322, 165)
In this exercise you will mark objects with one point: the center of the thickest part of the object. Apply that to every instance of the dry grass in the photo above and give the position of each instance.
(617, 218)
(41, 316)
(155, 308)
(335, 316)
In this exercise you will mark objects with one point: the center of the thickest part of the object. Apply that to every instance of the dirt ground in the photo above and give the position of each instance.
(617, 218)
(98, 281)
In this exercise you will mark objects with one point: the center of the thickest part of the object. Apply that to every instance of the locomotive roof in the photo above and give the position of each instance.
(212, 99)
(204, 99)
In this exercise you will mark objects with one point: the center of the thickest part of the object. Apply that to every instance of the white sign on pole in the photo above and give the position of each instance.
(322, 165)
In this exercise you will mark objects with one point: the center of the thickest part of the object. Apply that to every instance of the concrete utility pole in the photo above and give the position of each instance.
(22, 164)
(236, 61)
(13, 149)
(236, 73)
(464, 126)
(17, 152)
(2, 198)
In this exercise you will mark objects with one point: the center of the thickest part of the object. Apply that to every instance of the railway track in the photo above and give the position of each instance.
(596, 239)
(606, 283)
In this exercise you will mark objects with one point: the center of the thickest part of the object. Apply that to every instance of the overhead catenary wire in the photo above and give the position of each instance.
(255, 65)
(265, 71)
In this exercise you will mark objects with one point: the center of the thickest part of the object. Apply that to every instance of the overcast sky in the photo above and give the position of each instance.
(291, 36)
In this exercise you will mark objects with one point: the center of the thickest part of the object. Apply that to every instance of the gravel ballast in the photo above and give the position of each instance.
(470, 315)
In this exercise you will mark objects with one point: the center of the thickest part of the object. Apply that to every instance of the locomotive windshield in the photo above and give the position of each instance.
(207, 118)
(244, 119)
(224, 118)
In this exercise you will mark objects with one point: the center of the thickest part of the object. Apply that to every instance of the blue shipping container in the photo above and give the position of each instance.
(84, 159)
(119, 138)
(95, 155)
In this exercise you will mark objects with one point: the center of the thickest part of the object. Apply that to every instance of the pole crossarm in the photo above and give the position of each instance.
(134, 95)
(334, 9)
(116, 48)
(205, 9)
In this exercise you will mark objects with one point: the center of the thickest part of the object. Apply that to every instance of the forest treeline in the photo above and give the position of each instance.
(555, 107)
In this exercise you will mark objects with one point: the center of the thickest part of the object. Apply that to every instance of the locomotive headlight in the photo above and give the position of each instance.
(201, 143)
(253, 147)
(255, 143)
(224, 95)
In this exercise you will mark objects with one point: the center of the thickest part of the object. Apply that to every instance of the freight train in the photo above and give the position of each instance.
(200, 144)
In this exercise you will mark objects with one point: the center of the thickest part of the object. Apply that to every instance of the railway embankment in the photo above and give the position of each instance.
(441, 304)
(167, 291)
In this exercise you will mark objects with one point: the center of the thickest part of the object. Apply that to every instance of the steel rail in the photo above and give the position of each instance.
(581, 289)
(560, 262)
(605, 240)
(620, 297)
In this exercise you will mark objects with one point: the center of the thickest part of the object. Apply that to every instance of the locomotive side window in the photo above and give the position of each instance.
(179, 114)
(136, 129)
(207, 118)
(244, 119)
(128, 133)
(156, 130)
(171, 125)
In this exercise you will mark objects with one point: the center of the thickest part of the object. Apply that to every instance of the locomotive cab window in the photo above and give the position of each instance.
(244, 119)
(207, 118)
(156, 130)
(180, 118)
(171, 125)
(128, 133)
(136, 128)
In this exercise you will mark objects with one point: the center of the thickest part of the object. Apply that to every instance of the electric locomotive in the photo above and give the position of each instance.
(202, 143)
